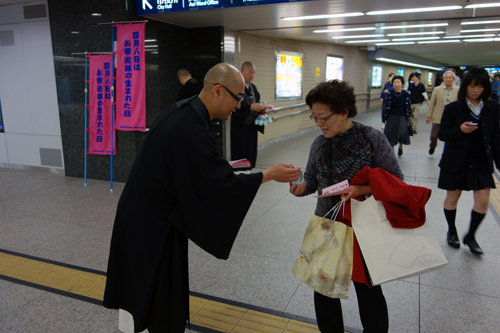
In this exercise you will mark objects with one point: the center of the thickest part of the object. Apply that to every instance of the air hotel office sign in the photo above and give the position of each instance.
(144, 7)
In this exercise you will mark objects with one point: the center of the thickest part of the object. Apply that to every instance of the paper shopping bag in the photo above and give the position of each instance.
(325, 259)
(393, 253)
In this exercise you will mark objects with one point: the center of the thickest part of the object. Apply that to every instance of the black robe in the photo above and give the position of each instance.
(244, 130)
(179, 188)
(190, 88)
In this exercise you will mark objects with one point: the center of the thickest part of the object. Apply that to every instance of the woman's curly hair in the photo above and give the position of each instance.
(339, 95)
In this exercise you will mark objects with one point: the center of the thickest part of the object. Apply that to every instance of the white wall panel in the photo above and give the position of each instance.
(25, 149)
(40, 78)
(3, 149)
(13, 86)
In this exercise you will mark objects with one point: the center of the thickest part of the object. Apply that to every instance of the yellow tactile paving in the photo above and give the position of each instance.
(203, 312)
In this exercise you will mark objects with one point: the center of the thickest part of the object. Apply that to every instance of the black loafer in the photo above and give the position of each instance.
(453, 240)
(400, 152)
(431, 151)
(473, 246)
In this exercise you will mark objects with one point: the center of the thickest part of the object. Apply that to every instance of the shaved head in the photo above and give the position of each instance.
(224, 74)
(223, 88)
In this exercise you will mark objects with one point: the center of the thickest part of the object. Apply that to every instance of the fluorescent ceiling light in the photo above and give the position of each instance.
(482, 40)
(413, 10)
(415, 26)
(484, 5)
(75, 32)
(150, 40)
(96, 14)
(441, 41)
(407, 63)
(150, 45)
(480, 22)
(357, 36)
(317, 17)
(368, 41)
(470, 36)
(479, 30)
(340, 30)
(418, 33)
(400, 43)
(416, 38)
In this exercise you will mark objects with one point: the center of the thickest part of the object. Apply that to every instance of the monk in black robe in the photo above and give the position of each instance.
(179, 187)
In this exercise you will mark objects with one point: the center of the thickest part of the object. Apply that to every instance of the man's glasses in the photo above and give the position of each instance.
(320, 120)
(236, 97)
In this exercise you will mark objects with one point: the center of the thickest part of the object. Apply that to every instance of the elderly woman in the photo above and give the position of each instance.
(397, 114)
(344, 148)
(470, 127)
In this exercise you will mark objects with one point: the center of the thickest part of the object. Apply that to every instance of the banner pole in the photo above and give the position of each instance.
(112, 100)
(85, 125)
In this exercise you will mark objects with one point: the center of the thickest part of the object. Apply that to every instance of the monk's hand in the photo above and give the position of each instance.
(282, 173)
(355, 191)
(297, 189)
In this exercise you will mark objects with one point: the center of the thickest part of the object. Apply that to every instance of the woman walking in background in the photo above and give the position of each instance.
(383, 94)
(470, 127)
(397, 115)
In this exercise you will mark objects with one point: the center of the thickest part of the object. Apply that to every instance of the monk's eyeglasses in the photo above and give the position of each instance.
(320, 120)
(236, 97)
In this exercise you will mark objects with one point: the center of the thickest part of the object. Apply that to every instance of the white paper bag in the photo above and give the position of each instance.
(393, 253)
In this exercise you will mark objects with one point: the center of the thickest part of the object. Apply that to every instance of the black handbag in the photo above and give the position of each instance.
(410, 128)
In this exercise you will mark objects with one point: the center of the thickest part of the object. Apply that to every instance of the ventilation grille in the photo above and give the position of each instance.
(7, 38)
(50, 157)
(34, 12)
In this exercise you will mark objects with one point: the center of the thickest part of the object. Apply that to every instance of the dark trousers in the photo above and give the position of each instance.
(434, 135)
(372, 310)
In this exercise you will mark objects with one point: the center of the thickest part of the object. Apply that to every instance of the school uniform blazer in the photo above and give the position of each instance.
(457, 142)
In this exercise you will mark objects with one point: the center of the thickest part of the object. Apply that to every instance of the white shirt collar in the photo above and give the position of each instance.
(475, 109)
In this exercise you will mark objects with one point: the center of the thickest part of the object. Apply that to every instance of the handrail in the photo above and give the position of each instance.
(286, 107)
(290, 114)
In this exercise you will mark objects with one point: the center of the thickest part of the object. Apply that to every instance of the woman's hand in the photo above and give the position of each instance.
(356, 191)
(297, 189)
(467, 128)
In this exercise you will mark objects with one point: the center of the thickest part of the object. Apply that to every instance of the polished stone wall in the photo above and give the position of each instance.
(195, 49)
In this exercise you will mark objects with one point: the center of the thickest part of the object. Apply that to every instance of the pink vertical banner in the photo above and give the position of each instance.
(100, 99)
(130, 78)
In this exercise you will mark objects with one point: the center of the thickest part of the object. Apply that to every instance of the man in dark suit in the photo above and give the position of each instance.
(243, 128)
(190, 87)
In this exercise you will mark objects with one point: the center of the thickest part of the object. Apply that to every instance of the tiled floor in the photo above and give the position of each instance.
(58, 219)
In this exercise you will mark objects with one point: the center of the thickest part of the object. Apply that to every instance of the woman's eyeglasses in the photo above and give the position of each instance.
(320, 120)
(238, 99)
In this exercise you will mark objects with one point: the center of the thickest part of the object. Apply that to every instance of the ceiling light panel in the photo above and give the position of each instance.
(398, 43)
(471, 36)
(479, 30)
(342, 30)
(413, 10)
(480, 22)
(368, 41)
(407, 63)
(417, 33)
(416, 38)
(440, 41)
(415, 26)
(317, 17)
(358, 36)
(484, 5)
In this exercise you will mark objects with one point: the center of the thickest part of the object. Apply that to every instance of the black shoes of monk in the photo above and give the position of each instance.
(431, 151)
(453, 241)
(400, 151)
(473, 246)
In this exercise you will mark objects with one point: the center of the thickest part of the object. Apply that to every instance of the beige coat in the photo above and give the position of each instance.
(436, 106)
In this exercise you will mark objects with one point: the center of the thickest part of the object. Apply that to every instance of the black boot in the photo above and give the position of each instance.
(469, 239)
(452, 236)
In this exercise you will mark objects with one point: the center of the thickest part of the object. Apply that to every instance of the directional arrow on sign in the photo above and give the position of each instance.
(144, 3)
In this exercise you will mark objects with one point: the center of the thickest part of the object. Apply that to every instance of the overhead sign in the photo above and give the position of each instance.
(145, 7)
